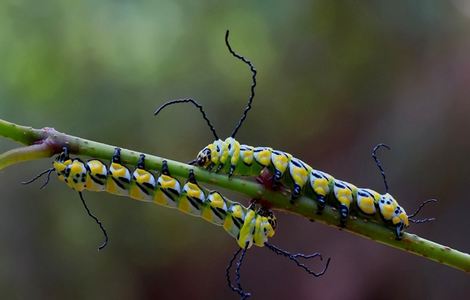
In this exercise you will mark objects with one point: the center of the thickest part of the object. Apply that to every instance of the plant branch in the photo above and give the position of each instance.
(46, 142)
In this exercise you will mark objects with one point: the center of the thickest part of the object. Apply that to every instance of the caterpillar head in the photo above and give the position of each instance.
(210, 154)
(204, 157)
(271, 218)
(264, 229)
(61, 163)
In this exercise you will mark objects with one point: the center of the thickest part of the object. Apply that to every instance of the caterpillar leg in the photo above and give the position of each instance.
(399, 231)
(210, 167)
(344, 194)
(219, 167)
(400, 220)
(296, 192)
(230, 172)
(343, 215)
(321, 204)
(277, 178)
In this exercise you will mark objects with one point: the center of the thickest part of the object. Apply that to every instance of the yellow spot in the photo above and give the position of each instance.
(264, 157)
(96, 167)
(235, 153)
(224, 155)
(167, 182)
(76, 168)
(248, 156)
(193, 190)
(237, 211)
(387, 211)
(142, 176)
(119, 170)
(300, 176)
(214, 154)
(404, 219)
(280, 163)
(321, 187)
(216, 201)
(367, 205)
(344, 196)
(396, 220)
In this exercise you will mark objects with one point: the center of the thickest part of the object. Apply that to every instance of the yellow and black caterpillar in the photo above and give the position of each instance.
(236, 159)
(246, 225)
(230, 157)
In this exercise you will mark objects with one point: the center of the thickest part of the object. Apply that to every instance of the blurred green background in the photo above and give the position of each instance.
(335, 78)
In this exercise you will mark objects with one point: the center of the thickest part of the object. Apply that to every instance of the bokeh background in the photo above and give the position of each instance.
(335, 78)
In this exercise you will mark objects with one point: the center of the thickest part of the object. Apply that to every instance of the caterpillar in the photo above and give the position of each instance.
(248, 225)
(233, 158)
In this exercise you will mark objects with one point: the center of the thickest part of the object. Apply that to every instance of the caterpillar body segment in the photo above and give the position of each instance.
(234, 220)
(367, 200)
(343, 192)
(216, 210)
(192, 197)
(299, 172)
(321, 183)
(143, 182)
(96, 176)
(246, 225)
(168, 189)
(119, 178)
(233, 158)
(75, 175)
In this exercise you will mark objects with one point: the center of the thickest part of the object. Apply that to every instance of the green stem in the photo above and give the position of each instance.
(47, 142)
